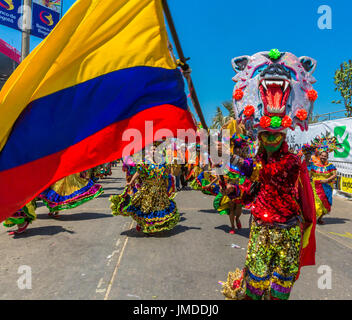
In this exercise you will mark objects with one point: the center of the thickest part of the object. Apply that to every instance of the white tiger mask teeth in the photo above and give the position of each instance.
(282, 83)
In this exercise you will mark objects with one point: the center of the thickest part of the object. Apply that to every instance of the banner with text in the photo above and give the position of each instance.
(341, 129)
(10, 13)
(46, 14)
(345, 184)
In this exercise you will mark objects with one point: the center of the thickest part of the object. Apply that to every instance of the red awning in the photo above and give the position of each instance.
(10, 51)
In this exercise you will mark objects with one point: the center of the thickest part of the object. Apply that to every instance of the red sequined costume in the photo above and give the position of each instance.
(276, 200)
(273, 94)
(283, 211)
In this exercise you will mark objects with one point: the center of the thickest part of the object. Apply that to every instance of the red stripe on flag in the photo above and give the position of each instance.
(20, 185)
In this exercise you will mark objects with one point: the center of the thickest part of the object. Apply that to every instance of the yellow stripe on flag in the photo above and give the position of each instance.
(94, 38)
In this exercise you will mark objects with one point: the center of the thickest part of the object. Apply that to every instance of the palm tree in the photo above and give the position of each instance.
(229, 107)
(219, 119)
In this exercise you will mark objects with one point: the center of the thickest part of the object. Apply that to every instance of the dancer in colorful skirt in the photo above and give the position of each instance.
(236, 172)
(323, 177)
(151, 206)
(22, 218)
(282, 231)
(70, 192)
(207, 182)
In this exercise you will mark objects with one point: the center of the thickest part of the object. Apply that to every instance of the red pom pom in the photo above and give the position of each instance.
(238, 94)
(248, 111)
(312, 95)
(265, 121)
(302, 114)
(236, 284)
(286, 122)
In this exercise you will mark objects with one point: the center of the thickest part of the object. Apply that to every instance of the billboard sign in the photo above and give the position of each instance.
(10, 13)
(46, 14)
(341, 129)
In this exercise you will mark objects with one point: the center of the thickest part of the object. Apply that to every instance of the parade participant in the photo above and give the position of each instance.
(151, 206)
(238, 171)
(105, 170)
(22, 218)
(175, 163)
(130, 168)
(194, 167)
(323, 177)
(315, 158)
(282, 231)
(306, 153)
(70, 192)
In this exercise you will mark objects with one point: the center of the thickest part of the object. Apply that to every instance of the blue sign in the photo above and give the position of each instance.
(43, 20)
(10, 15)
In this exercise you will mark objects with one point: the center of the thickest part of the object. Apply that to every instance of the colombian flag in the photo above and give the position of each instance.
(105, 68)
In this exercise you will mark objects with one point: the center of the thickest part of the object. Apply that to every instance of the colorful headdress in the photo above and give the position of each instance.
(326, 143)
(239, 141)
(306, 149)
(273, 90)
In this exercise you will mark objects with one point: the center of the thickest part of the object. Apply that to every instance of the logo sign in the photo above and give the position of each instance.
(10, 13)
(346, 184)
(46, 14)
(342, 137)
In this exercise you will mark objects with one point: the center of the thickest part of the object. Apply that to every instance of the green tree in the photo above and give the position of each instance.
(343, 84)
(220, 119)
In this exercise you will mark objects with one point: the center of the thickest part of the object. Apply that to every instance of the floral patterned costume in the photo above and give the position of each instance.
(151, 206)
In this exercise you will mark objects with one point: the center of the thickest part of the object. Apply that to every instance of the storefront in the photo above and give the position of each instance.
(9, 60)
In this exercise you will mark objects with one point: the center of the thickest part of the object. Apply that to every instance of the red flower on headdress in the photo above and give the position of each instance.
(286, 122)
(301, 114)
(265, 121)
(248, 111)
(238, 94)
(312, 95)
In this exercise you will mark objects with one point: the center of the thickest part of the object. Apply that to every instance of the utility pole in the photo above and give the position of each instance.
(184, 66)
(26, 28)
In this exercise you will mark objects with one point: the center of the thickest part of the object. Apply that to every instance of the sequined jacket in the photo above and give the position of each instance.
(277, 199)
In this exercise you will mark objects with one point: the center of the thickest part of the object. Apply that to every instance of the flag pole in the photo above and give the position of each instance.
(184, 66)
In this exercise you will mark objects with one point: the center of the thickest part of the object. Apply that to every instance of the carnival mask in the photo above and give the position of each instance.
(271, 141)
(273, 90)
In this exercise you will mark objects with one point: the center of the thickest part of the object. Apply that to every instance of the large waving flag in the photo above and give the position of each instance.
(105, 68)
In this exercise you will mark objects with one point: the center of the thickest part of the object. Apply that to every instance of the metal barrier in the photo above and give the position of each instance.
(344, 170)
(329, 116)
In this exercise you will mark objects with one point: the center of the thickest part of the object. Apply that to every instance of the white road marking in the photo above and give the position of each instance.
(117, 266)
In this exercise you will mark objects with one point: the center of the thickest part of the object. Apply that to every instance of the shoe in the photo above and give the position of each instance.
(321, 221)
(238, 224)
(22, 229)
(232, 231)
(138, 228)
(53, 215)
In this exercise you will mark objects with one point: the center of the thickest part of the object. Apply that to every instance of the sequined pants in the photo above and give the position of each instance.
(272, 261)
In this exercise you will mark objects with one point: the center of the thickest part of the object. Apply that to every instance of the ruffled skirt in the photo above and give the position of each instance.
(26, 214)
(151, 207)
(70, 192)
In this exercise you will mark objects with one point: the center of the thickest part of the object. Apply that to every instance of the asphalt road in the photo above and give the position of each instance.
(89, 254)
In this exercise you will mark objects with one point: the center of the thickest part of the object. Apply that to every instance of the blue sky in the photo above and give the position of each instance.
(213, 32)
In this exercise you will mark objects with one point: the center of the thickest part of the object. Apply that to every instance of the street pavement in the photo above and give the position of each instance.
(89, 254)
